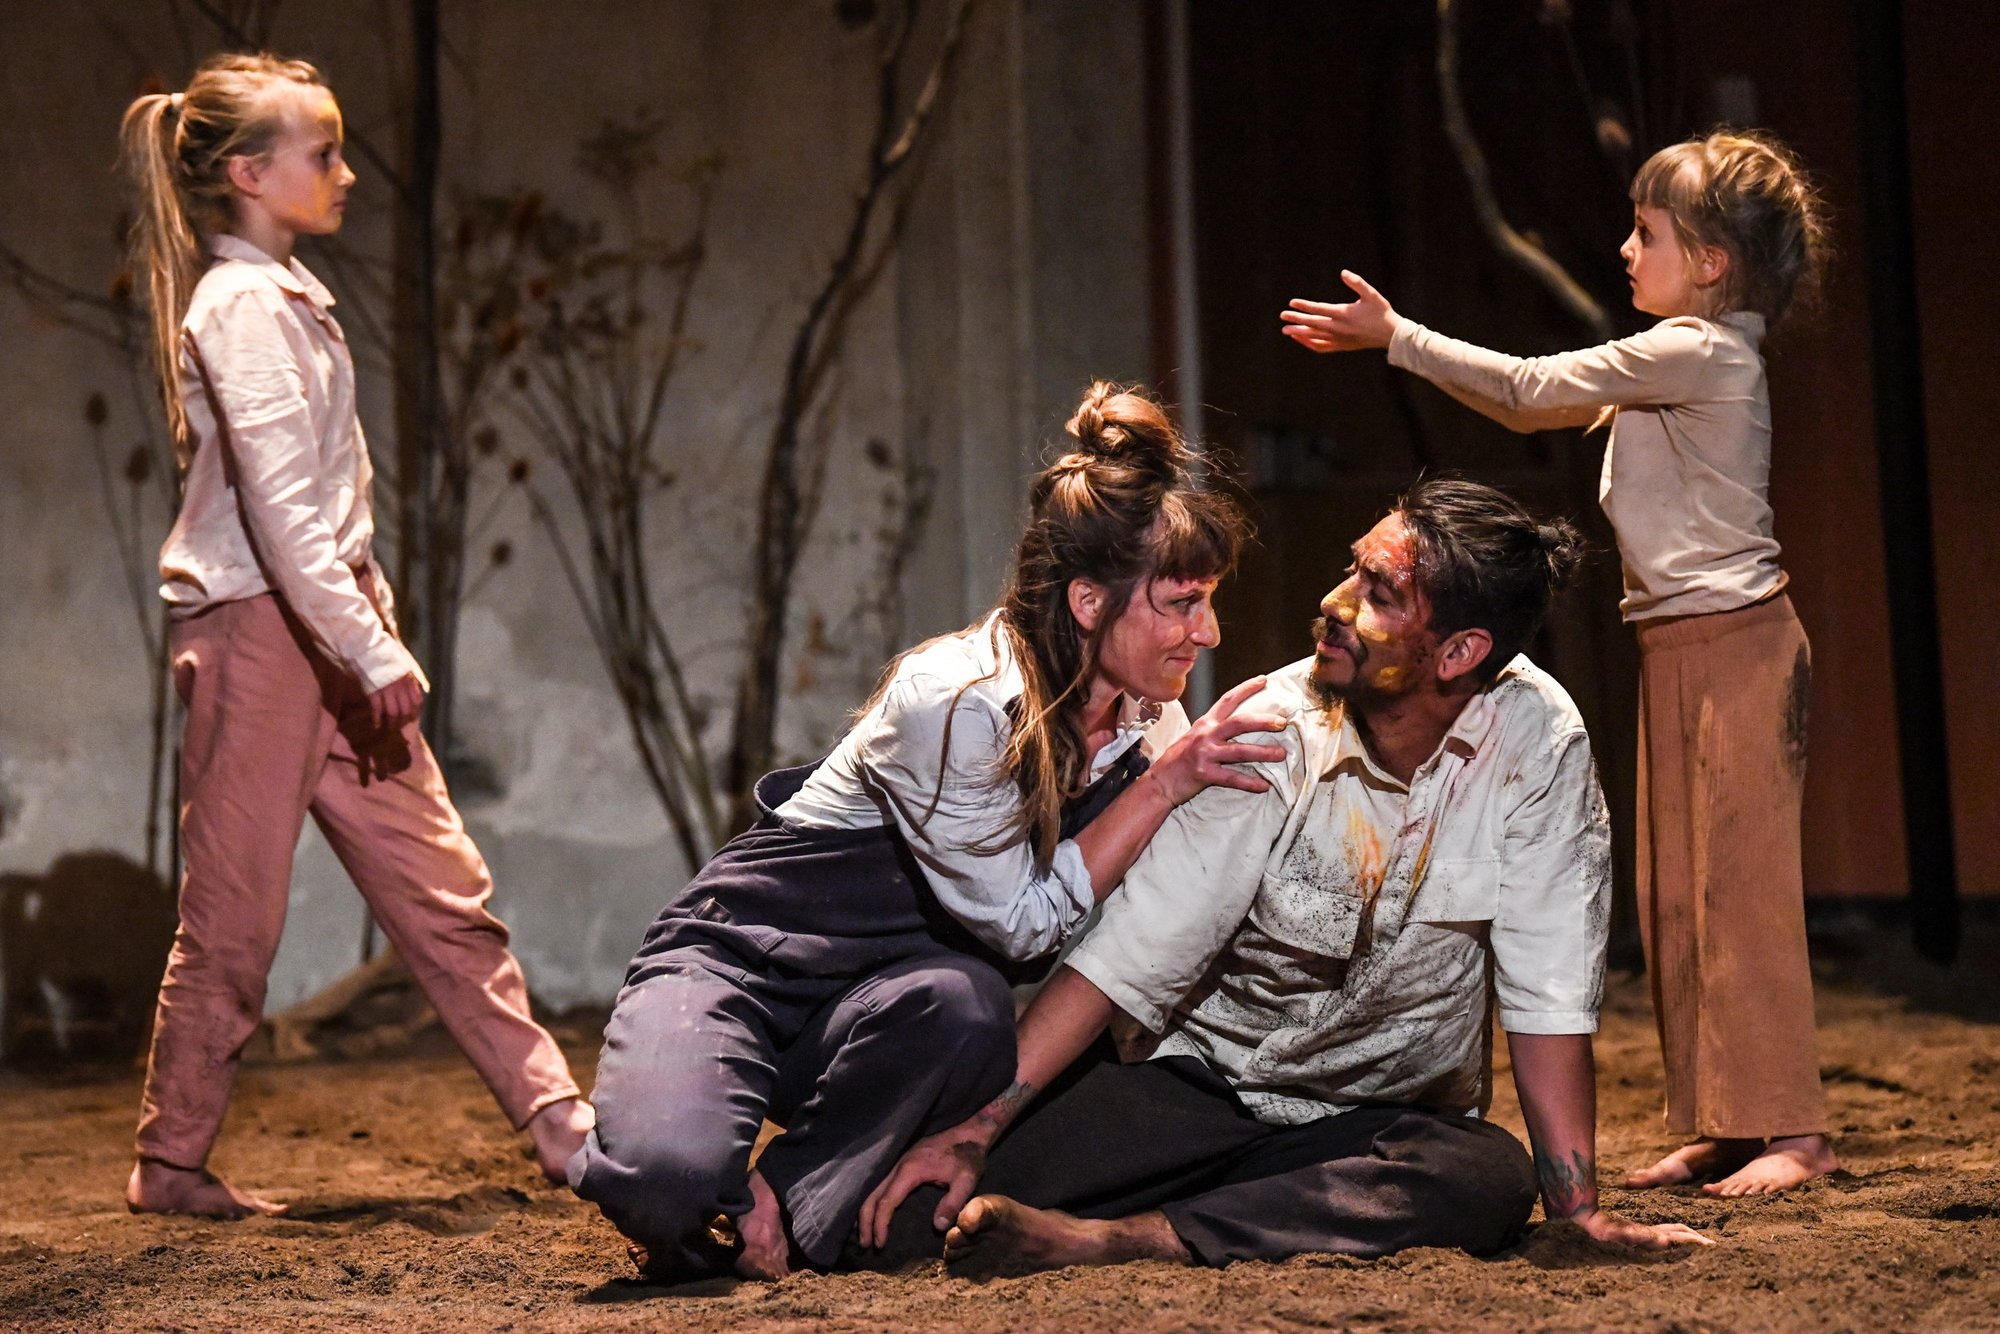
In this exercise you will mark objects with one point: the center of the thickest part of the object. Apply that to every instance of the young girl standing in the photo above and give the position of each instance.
(299, 696)
(1726, 230)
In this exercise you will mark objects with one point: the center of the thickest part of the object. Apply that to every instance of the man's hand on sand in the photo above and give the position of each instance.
(951, 1158)
(1605, 1226)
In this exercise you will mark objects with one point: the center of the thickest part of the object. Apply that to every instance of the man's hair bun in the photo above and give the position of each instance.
(1564, 549)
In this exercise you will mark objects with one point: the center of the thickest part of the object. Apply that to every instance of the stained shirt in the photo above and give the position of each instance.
(927, 757)
(1686, 478)
(291, 511)
(1338, 940)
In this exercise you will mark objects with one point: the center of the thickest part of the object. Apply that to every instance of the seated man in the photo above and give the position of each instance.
(1314, 963)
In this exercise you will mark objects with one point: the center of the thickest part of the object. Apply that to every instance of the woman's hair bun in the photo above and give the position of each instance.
(1124, 426)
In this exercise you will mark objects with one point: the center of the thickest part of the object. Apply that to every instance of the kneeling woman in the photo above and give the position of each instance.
(834, 967)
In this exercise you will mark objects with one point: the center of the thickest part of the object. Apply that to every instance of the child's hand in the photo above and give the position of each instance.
(396, 705)
(1324, 327)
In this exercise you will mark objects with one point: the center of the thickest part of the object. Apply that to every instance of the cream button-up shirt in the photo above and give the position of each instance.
(926, 758)
(289, 510)
(1686, 481)
(1338, 940)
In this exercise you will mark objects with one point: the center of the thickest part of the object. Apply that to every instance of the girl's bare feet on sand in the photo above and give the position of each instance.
(1733, 1167)
(1703, 1160)
(1782, 1164)
(557, 1131)
(161, 1188)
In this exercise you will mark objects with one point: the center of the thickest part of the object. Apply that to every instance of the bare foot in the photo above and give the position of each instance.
(766, 1252)
(1784, 1163)
(1000, 1235)
(161, 1188)
(1702, 1160)
(557, 1131)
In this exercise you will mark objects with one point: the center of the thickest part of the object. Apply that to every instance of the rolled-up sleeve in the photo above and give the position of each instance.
(1184, 897)
(274, 458)
(935, 758)
(1664, 364)
(1554, 914)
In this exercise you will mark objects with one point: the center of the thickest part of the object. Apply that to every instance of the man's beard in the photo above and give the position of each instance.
(1358, 695)
(1326, 694)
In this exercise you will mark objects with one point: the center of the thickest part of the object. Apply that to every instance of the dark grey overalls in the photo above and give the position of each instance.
(807, 976)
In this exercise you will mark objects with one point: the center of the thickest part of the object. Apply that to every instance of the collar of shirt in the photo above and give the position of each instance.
(1468, 732)
(1746, 322)
(292, 277)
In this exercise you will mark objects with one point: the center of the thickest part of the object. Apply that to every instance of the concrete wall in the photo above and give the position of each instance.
(1020, 273)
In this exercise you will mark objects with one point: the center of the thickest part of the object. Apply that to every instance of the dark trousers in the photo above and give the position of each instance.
(1112, 1140)
(809, 977)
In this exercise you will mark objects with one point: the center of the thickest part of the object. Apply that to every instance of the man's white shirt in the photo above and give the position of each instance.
(1336, 941)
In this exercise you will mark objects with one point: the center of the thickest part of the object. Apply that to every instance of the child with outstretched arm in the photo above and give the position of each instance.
(1727, 230)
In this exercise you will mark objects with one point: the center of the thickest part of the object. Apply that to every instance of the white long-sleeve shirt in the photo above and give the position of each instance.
(1337, 940)
(1686, 480)
(927, 760)
(291, 510)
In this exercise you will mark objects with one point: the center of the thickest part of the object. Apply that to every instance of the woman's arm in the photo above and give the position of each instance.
(1201, 758)
(934, 761)
(1663, 365)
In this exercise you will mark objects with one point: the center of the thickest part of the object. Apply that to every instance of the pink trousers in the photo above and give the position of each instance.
(275, 732)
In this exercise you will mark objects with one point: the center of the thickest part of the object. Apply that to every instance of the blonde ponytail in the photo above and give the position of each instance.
(165, 249)
(175, 148)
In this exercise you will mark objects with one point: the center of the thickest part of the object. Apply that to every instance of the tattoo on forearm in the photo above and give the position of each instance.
(1002, 1110)
(1569, 1186)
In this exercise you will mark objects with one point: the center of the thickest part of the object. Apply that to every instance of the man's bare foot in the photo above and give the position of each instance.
(557, 1131)
(161, 1188)
(1784, 1163)
(766, 1252)
(1703, 1160)
(1000, 1235)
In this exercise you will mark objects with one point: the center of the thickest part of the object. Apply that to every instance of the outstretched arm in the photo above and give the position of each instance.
(1065, 1017)
(1664, 364)
(1557, 1079)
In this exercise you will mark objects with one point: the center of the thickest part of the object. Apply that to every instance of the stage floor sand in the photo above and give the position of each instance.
(414, 1209)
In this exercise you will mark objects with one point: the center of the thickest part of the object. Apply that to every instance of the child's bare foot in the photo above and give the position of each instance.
(766, 1252)
(1784, 1163)
(161, 1188)
(1703, 1160)
(1003, 1235)
(557, 1131)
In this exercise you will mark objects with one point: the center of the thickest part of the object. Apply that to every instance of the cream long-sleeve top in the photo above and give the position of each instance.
(1686, 480)
(1339, 939)
(926, 759)
(289, 511)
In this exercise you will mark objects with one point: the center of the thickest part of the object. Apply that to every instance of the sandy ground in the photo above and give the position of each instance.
(413, 1208)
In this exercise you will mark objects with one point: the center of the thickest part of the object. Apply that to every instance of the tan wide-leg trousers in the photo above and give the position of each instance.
(1722, 762)
(274, 732)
